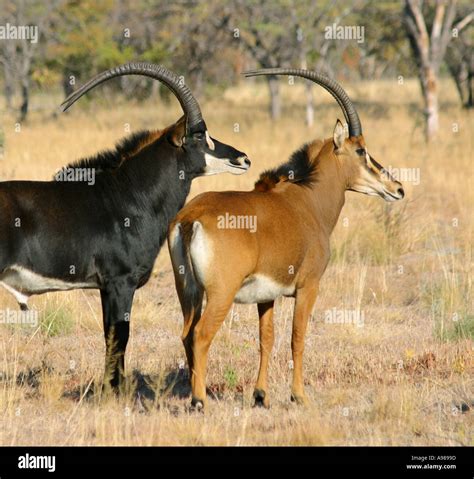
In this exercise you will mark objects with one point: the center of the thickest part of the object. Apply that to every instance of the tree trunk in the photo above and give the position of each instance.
(470, 86)
(308, 88)
(429, 49)
(309, 104)
(155, 89)
(457, 75)
(25, 95)
(9, 87)
(67, 87)
(275, 104)
(430, 93)
(2, 143)
(197, 82)
(463, 80)
(460, 62)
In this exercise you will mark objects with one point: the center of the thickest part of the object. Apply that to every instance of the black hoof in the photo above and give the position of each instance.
(197, 404)
(259, 397)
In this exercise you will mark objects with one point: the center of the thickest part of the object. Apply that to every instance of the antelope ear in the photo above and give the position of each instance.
(178, 132)
(339, 134)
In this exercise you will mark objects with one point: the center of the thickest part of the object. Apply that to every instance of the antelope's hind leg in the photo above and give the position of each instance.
(218, 304)
(190, 292)
(191, 307)
(265, 313)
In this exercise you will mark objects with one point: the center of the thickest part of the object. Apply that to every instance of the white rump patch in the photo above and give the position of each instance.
(259, 288)
(200, 250)
(176, 244)
(177, 251)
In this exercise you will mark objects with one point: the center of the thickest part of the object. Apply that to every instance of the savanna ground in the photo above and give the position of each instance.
(405, 377)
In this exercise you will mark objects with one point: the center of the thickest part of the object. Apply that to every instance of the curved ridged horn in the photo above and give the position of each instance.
(190, 106)
(347, 107)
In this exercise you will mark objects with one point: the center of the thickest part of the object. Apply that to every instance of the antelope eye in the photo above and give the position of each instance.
(198, 136)
(360, 151)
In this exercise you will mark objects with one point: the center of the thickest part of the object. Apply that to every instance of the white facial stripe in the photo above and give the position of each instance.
(367, 183)
(210, 143)
(367, 158)
(370, 185)
(216, 165)
(384, 174)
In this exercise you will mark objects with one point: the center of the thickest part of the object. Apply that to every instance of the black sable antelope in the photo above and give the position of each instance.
(57, 235)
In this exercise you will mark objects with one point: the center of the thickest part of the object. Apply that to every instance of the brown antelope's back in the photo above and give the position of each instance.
(222, 237)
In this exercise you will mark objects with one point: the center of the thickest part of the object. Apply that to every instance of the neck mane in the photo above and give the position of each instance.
(315, 172)
(301, 169)
(113, 159)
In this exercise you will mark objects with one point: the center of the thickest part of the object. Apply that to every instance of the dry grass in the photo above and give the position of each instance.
(404, 378)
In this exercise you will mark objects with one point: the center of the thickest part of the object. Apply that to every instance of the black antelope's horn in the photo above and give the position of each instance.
(347, 107)
(190, 106)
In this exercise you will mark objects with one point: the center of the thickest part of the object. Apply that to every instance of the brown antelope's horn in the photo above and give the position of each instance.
(189, 104)
(347, 107)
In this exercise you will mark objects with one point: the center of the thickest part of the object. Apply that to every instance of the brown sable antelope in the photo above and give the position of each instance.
(254, 246)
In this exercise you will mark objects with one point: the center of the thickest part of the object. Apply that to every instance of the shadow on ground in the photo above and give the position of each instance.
(146, 391)
(141, 387)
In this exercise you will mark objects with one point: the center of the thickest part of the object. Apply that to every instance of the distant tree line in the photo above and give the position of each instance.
(211, 40)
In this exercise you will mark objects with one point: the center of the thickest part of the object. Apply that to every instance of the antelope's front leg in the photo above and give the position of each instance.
(265, 313)
(305, 299)
(117, 301)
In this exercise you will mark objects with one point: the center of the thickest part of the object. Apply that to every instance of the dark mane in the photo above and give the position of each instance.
(112, 159)
(299, 169)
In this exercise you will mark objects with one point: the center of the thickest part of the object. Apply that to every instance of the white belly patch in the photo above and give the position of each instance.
(22, 283)
(260, 289)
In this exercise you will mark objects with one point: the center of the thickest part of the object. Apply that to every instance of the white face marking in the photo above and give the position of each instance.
(216, 165)
(22, 282)
(260, 288)
(209, 141)
(367, 158)
(369, 161)
(371, 185)
(367, 184)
